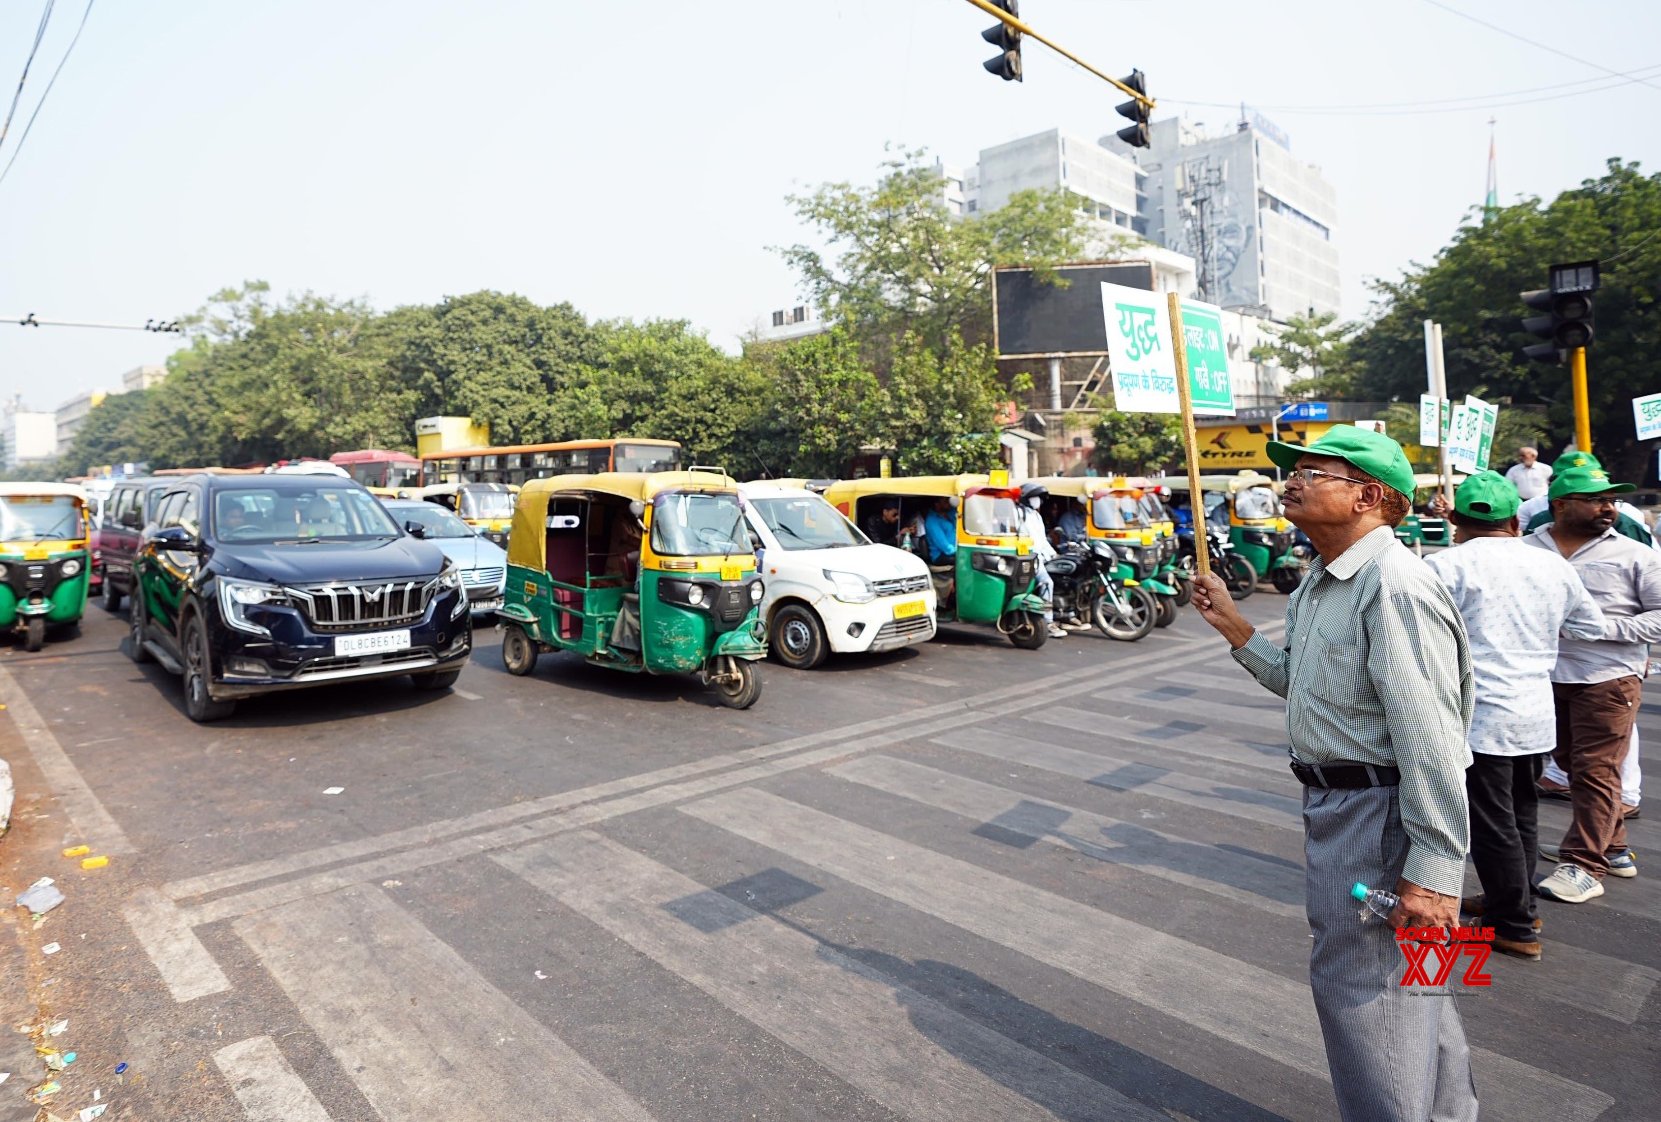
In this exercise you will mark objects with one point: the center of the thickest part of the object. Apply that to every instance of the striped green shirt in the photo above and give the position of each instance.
(1377, 670)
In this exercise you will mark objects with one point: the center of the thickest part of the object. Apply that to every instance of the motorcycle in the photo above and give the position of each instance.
(1238, 574)
(1088, 586)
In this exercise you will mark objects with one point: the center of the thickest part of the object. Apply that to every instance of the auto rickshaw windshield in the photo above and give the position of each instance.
(1255, 502)
(698, 523)
(1117, 512)
(32, 518)
(990, 515)
(487, 504)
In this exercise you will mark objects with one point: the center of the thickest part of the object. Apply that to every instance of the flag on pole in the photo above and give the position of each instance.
(1491, 204)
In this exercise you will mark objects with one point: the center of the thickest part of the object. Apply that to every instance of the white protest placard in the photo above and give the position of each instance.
(1141, 361)
(1485, 435)
(1430, 421)
(1646, 411)
(1464, 437)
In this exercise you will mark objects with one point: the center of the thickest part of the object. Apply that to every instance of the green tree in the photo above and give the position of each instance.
(1136, 443)
(1317, 347)
(821, 405)
(940, 410)
(1472, 287)
(113, 433)
(896, 262)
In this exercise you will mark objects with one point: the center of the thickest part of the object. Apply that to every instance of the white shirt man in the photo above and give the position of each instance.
(1528, 475)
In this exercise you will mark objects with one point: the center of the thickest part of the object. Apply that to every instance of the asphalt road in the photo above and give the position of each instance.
(959, 882)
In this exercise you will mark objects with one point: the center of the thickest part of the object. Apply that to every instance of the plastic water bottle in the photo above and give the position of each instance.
(1375, 902)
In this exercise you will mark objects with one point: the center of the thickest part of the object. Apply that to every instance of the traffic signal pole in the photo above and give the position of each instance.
(1582, 410)
(993, 10)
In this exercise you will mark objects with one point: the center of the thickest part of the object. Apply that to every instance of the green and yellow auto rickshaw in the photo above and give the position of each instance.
(1260, 532)
(636, 571)
(988, 575)
(1421, 528)
(44, 567)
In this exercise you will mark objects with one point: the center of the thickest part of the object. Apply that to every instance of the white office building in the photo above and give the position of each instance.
(72, 414)
(143, 377)
(1260, 223)
(26, 436)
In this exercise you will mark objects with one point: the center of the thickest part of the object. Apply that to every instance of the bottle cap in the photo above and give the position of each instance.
(1359, 891)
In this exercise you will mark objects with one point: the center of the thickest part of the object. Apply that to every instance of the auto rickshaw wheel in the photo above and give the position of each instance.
(1026, 630)
(112, 594)
(736, 682)
(518, 652)
(34, 633)
(1165, 611)
(1286, 579)
(1185, 590)
(798, 638)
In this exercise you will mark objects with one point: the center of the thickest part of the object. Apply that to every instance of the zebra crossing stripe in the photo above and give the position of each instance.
(1236, 1001)
(910, 1053)
(413, 1023)
(265, 1085)
(1264, 885)
(1205, 742)
(185, 965)
(1241, 797)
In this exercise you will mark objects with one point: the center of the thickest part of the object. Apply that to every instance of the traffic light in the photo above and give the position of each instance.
(1567, 308)
(1137, 110)
(1007, 63)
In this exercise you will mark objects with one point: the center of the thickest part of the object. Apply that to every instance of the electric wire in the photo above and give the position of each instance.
(18, 147)
(1535, 43)
(1637, 245)
(1475, 101)
(40, 33)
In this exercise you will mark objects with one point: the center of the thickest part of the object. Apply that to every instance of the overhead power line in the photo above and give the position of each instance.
(18, 148)
(160, 326)
(40, 33)
(1536, 43)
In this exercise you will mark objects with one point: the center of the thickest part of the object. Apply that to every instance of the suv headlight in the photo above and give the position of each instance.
(449, 580)
(237, 596)
(850, 588)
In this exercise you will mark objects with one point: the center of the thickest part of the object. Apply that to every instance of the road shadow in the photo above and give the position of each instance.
(572, 671)
(925, 986)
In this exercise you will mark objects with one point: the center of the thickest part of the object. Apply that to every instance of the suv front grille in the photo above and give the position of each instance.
(899, 586)
(363, 604)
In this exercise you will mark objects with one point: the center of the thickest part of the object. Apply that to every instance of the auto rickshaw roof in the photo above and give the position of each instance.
(923, 485)
(39, 490)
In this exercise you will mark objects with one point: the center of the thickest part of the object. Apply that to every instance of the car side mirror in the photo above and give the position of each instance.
(176, 539)
(414, 529)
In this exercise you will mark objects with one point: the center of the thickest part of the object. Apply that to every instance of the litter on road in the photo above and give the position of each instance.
(333, 790)
(94, 862)
(51, 948)
(77, 851)
(58, 1028)
(40, 897)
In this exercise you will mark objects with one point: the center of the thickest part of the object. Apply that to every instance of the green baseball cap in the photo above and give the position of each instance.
(1487, 496)
(1372, 452)
(1585, 481)
(1570, 460)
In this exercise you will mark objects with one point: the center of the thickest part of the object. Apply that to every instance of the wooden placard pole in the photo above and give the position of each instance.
(1190, 439)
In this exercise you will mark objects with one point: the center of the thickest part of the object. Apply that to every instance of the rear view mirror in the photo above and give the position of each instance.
(415, 529)
(176, 539)
(637, 508)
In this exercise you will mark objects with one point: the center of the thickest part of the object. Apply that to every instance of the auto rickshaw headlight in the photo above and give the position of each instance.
(70, 567)
(695, 595)
(1000, 564)
(757, 590)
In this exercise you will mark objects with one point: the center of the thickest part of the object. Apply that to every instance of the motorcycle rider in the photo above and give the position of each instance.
(1032, 526)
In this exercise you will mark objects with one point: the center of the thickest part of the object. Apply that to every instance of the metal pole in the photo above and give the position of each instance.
(1582, 410)
(1055, 384)
(1005, 17)
(1190, 439)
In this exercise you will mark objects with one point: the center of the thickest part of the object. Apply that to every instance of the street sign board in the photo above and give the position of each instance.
(1305, 411)
(1646, 411)
(1143, 367)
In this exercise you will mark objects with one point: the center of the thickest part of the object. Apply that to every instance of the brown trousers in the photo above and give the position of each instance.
(1594, 731)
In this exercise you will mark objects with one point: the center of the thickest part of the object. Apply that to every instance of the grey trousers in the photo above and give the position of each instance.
(1396, 1054)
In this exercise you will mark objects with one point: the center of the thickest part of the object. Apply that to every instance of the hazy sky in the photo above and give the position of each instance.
(633, 156)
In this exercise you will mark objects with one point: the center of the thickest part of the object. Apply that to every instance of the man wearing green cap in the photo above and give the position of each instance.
(1376, 673)
(1515, 601)
(1596, 684)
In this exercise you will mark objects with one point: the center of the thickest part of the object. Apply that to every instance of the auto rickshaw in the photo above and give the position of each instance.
(487, 507)
(1216, 514)
(990, 577)
(44, 558)
(1260, 533)
(638, 571)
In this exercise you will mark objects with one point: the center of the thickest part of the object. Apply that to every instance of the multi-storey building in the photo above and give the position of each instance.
(72, 414)
(26, 436)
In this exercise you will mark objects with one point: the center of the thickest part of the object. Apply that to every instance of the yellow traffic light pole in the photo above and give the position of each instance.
(1582, 411)
(992, 10)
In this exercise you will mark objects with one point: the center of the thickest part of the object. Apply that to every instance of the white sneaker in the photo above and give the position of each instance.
(1570, 884)
(1622, 864)
(1057, 632)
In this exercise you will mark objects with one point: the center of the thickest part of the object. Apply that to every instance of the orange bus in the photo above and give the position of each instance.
(518, 463)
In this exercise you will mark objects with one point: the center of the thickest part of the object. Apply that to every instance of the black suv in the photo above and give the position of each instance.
(249, 584)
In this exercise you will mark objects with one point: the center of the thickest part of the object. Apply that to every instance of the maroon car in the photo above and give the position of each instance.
(130, 507)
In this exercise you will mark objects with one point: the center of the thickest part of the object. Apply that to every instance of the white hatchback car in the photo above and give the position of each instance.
(829, 587)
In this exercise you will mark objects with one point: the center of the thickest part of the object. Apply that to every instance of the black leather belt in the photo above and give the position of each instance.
(1346, 775)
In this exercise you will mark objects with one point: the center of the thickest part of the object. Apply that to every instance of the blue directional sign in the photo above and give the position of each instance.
(1306, 411)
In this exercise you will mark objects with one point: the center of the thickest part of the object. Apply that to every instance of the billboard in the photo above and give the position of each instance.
(1035, 319)
(1228, 448)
